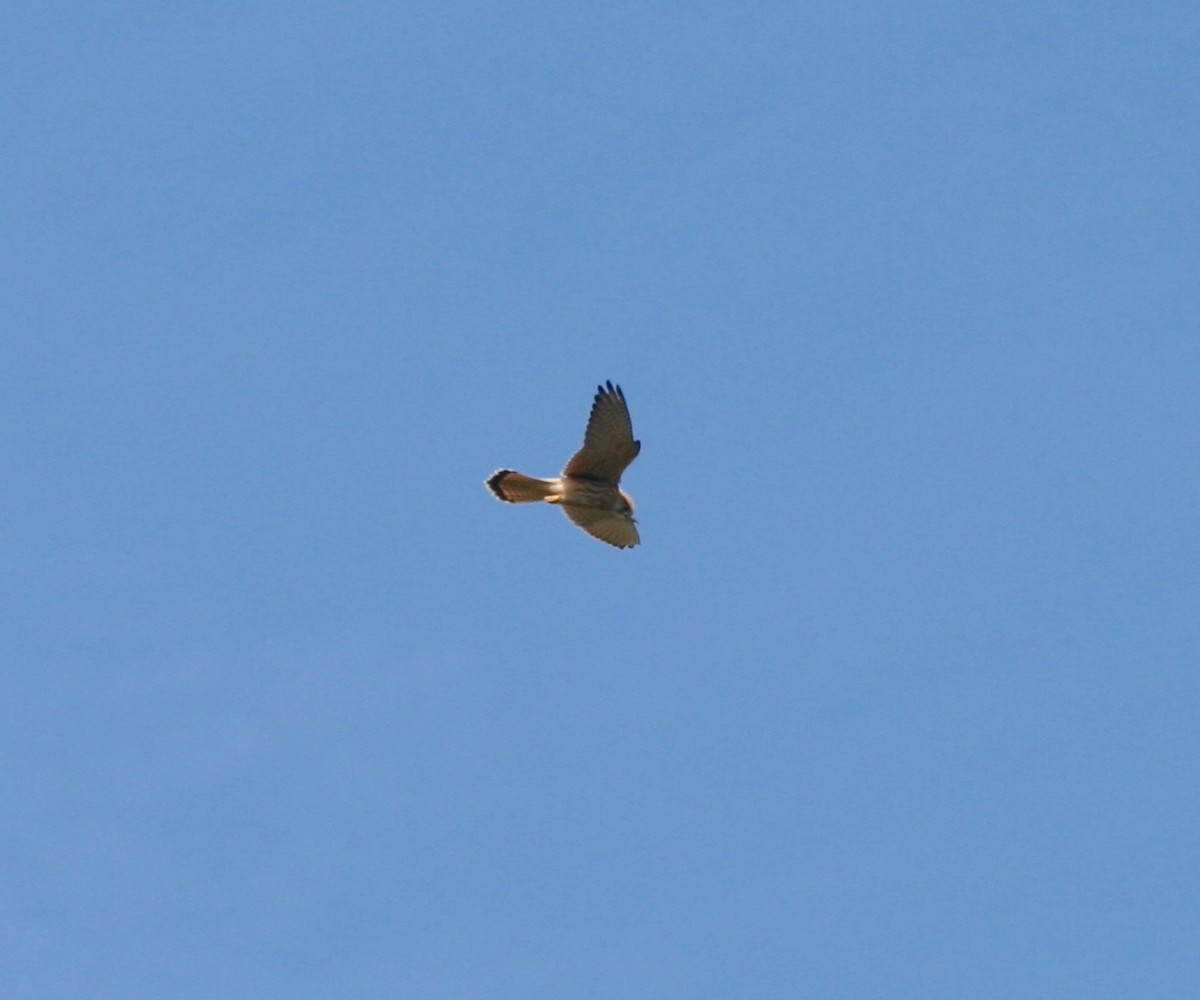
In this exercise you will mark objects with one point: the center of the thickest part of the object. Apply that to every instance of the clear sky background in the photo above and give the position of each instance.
(897, 699)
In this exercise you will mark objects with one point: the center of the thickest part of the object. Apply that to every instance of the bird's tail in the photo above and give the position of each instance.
(517, 488)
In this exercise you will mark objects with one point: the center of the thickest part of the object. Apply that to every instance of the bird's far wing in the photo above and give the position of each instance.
(608, 444)
(607, 525)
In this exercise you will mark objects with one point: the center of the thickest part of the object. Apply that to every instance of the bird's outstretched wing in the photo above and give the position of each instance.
(608, 444)
(607, 525)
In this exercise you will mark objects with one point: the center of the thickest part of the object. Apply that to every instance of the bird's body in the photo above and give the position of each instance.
(588, 490)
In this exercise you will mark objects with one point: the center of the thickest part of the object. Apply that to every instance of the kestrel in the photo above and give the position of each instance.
(587, 491)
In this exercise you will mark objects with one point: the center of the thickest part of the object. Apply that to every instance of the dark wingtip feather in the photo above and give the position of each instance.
(608, 389)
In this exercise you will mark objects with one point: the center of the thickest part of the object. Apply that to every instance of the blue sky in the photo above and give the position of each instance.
(897, 699)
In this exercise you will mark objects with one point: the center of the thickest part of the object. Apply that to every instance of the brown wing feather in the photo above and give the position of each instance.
(607, 525)
(608, 444)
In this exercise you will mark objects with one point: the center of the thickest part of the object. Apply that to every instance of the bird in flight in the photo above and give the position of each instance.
(588, 489)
